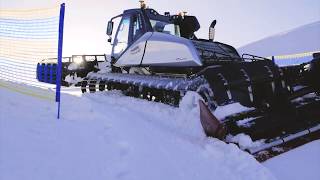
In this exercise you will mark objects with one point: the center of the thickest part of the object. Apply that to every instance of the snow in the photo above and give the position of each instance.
(104, 67)
(73, 79)
(300, 163)
(247, 122)
(109, 136)
(74, 66)
(299, 40)
(223, 111)
(277, 149)
(244, 141)
(293, 61)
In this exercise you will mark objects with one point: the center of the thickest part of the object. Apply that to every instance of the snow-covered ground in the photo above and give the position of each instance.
(109, 136)
(300, 163)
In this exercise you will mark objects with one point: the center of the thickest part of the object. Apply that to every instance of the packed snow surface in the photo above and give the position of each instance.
(109, 136)
(300, 163)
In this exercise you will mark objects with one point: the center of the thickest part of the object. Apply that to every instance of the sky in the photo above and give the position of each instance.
(239, 22)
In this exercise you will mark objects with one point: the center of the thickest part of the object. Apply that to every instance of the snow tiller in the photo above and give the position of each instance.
(74, 68)
(159, 58)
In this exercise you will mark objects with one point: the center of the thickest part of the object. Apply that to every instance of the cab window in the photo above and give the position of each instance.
(137, 27)
(121, 40)
(165, 27)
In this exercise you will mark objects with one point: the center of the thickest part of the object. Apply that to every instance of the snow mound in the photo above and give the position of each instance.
(299, 40)
(109, 136)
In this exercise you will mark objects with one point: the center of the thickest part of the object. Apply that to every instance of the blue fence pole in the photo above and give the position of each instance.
(45, 73)
(51, 73)
(273, 60)
(59, 68)
(38, 71)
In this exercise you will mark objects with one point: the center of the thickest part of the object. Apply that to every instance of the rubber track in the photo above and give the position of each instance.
(151, 82)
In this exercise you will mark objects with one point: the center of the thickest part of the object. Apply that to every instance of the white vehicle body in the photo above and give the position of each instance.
(149, 48)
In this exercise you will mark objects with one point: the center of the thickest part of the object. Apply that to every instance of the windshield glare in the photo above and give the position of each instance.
(164, 27)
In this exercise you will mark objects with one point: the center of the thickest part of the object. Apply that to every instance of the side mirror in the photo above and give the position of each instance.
(212, 30)
(109, 28)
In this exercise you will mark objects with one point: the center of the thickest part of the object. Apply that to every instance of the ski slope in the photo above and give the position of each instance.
(299, 40)
(110, 136)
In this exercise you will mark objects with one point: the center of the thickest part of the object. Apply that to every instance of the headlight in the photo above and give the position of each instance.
(78, 59)
(306, 67)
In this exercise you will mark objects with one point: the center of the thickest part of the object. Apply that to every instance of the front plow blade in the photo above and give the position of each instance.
(211, 125)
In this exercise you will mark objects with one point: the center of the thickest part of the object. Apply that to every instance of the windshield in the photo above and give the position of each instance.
(165, 27)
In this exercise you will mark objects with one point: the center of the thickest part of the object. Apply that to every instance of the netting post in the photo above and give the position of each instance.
(59, 68)
(273, 60)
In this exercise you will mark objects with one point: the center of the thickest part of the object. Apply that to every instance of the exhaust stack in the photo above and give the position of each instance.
(212, 30)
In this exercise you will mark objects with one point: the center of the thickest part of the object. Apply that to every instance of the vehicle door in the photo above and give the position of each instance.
(136, 42)
(121, 40)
